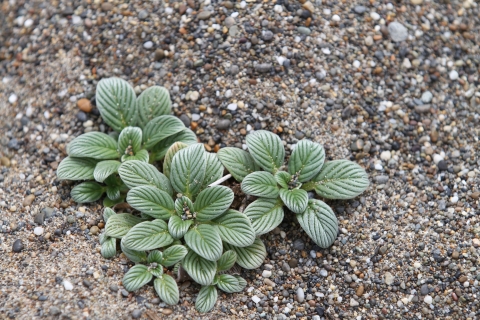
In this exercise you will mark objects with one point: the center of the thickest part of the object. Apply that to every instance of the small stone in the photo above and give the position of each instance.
(293, 263)
(359, 9)
(381, 179)
(12, 98)
(229, 22)
(39, 218)
(285, 267)
(94, 230)
(309, 6)
(266, 273)
(38, 231)
(424, 290)
(269, 282)
(5, 162)
(113, 287)
(416, 2)
(67, 285)
(360, 291)
(85, 105)
(263, 67)
(54, 311)
(397, 31)
(323, 272)
(17, 246)
(354, 303)
(304, 30)
(204, 15)
(476, 242)
(428, 300)
(194, 95)
(28, 200)
(298, 244)
(455, 254)
(166, 311)
(427, 97)
(107, 6)
(453, 75)
(223, 124)
(148, 45)
(300, 295)
(462, 279)
(142, 15)
(389, 278)
(136, 313)
(385, 155)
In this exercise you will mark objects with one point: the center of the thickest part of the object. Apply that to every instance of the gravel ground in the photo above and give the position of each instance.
(393, 86)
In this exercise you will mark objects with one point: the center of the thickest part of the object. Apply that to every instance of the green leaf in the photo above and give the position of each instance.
(136, 277)
(228, 283)
(235, 228)
(212, 202)
(116, 101)
(113, 193)
(267, 150)
(319, 222)
(173, 254)
(250, 257)
(76, 169)
(107, 213)
(265, 214)
(186, 136)
(172, 151)
(130, 141)
(95, 145)
(109, 247)
(184, 206)
(188, 170)
(260, 184)
(296, 199)
(340, 179)
(133, 255)
(119, 224)
(306, 160)
(201, 270)
(226, 261)
(153, 102)
(241, 283)
(167, 289)
(178, 227)
(104, 169)
(238, 162)
(155, 256)
(141, 155)
(148, 235)
(206, 299)
(283, 179)
(136, 173)
(87, 192)
(151, 201)
(160, 128)
(110, 203)
(205, 241)
(213, 171)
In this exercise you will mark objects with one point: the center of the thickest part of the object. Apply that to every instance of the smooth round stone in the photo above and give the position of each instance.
(397, 31)
(17, 246)
(300, 295)
(67, 285)
(148, 45)
(12, 98)
(374, 15)
(38, 231)
(453, 75)
(428, 300)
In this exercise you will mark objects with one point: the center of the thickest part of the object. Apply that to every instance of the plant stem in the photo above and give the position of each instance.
(221, 180)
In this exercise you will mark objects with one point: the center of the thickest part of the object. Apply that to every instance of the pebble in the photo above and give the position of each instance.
(28, 200)
(54, 311)
(17, 246)
(84, 105)
(38, 231)
(266, 273)
(397, 31)
(453, 75)
(374, 15)
(39, 217)
(300, 295)
(385, 155)
(204, 15)
(298, 244)
(94, 230)
(427, 97)
(12, 98)
(389, 278)
(354, 303)
(148, 45)
(381, 179)
(223, 124)
(428, 300)
(323, 273)
(67, 285)
(136, 314)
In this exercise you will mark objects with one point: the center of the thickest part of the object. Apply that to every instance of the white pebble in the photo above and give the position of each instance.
(300, 295)
(385, 155)
(168, 10)
(336, 17)
(234, 14)
(256, 299)
(266, 273)
(406, 63)
(278, 8)
(428, 300)
(195, 117)
(374, 15)
(232, 106)
(356, 64)
(323, 273)
(228, 94)
(13, 98)
(281, 60)
(67, 285)
(38, 231)
(243, 4)
(148, 45)
(453, 75)
(76, 20)
(417, 265)
(28, 23)
(437, 158)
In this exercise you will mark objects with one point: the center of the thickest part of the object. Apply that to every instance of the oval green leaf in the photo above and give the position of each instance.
(76, 169)
(235, 228)
(260, 184)
(153, 102)
(151, 201)
(319, 222)
(167, 289)
(87, 192)
(148, 235)
(116, 101)
(160, 128)
(167, 161)
(265, 214)
(136, 173)
(173, 254)
(206, 299)
(201, 270)
(104, 169)
(238, 162)
(188, 170)
(212, 202)
(119, 224)
(267, 150)
(250, 257)
(205, 240)
(296, 199)
(226, 261)
(95, 145)
(186, 136)
(136, 277)
(306, 160)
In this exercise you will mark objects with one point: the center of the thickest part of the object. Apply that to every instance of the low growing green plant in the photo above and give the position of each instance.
(186, 218)
(144, 131)
(279, 186)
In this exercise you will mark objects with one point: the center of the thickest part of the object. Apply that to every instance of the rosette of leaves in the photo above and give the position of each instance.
(278, 186)
(144, 131)
(178, 207)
